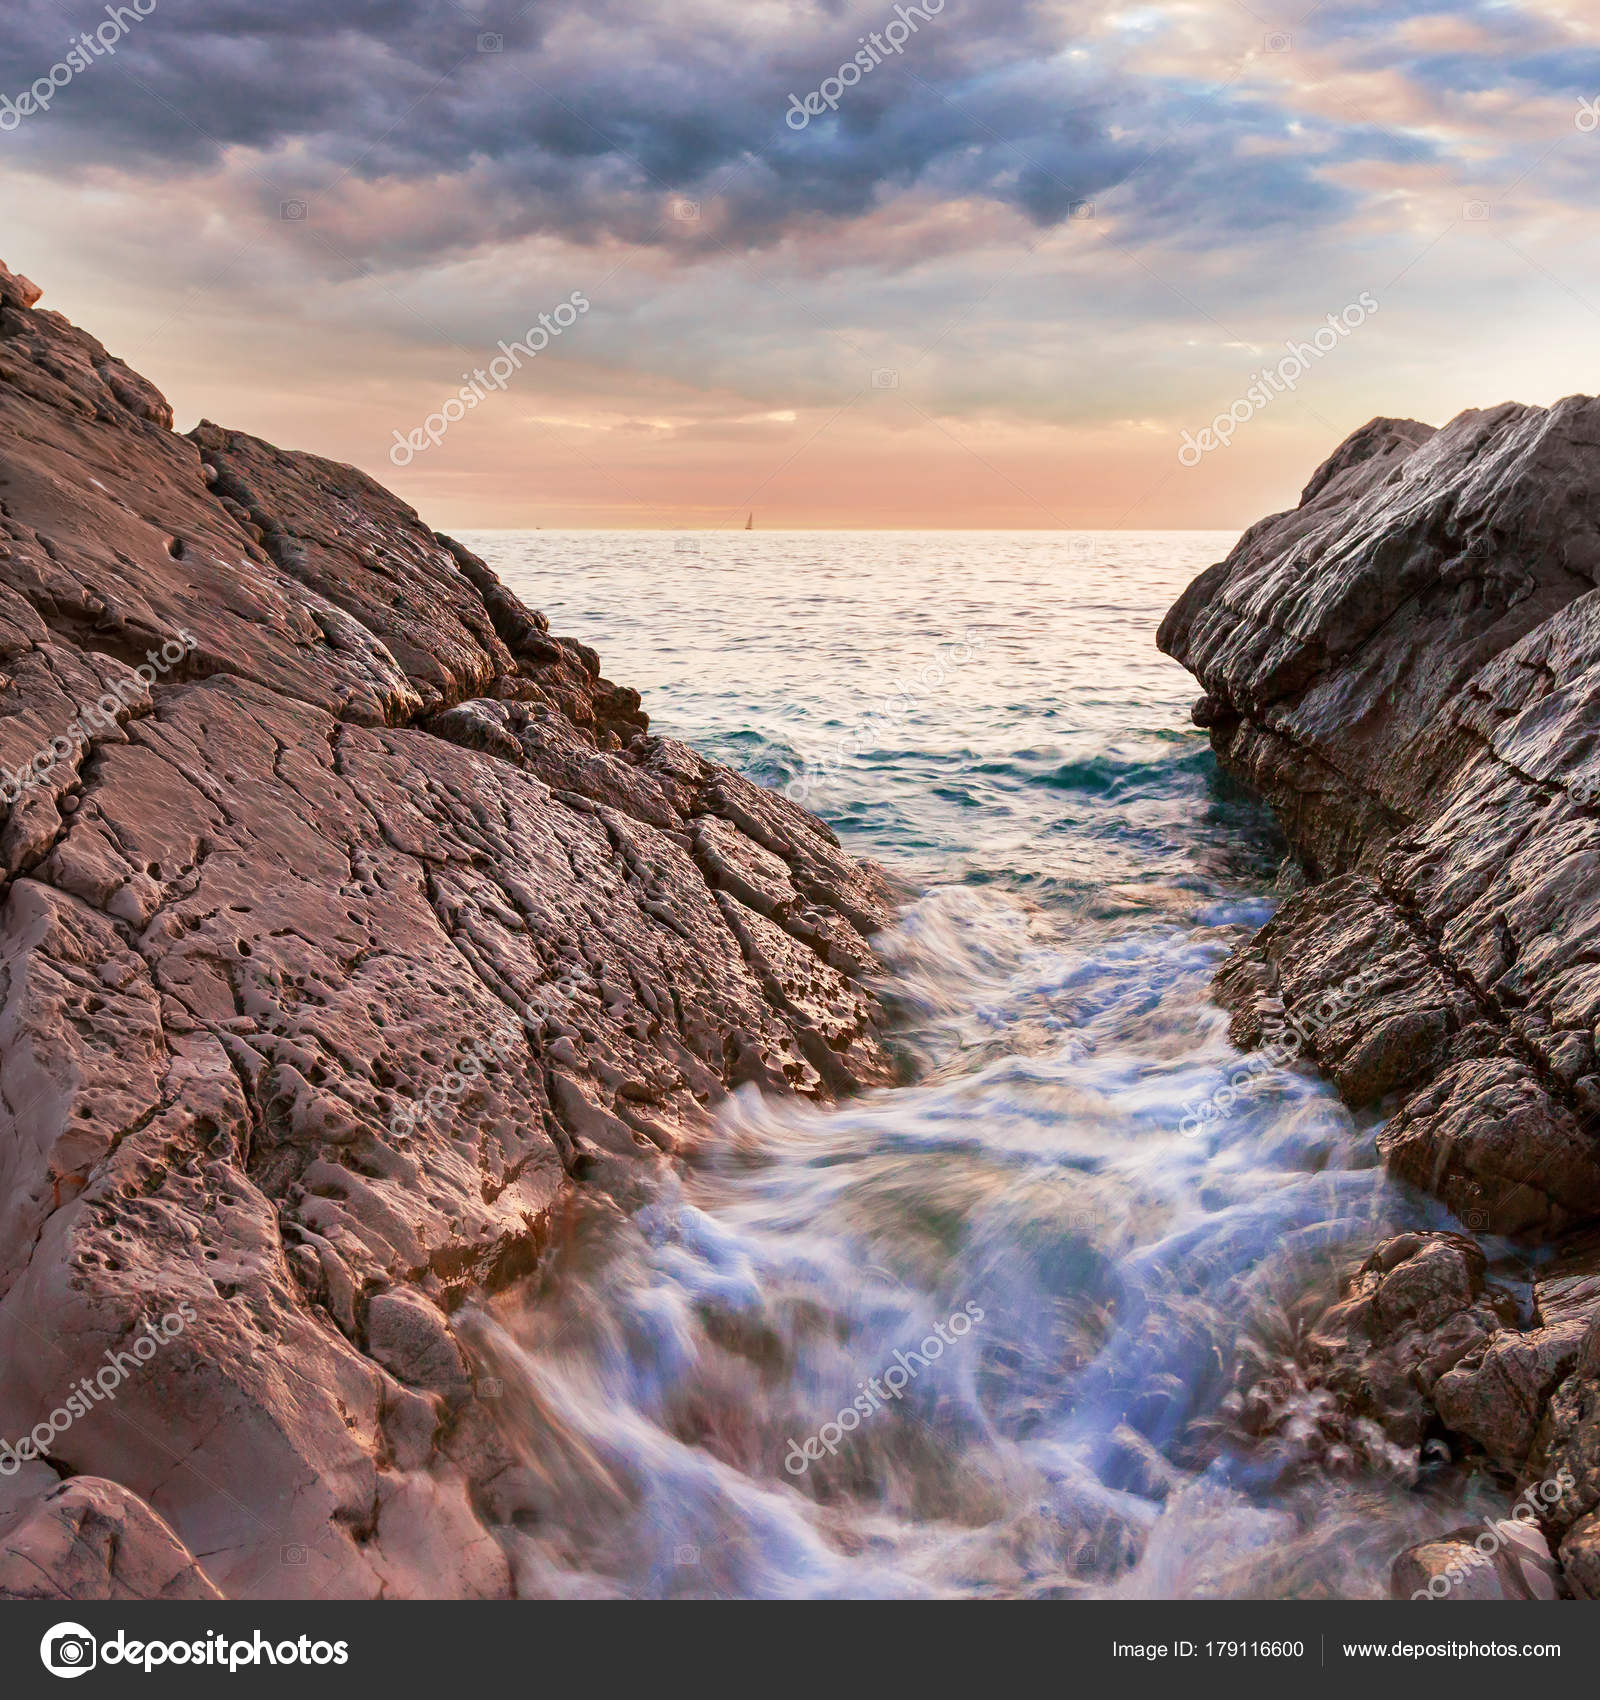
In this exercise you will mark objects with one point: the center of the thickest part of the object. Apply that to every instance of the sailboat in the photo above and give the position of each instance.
(750, 521)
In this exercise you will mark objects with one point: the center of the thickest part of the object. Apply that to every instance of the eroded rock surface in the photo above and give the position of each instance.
(1407, 666)
(376, 840)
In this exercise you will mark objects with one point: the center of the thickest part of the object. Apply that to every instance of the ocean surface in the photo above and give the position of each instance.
(758, 1384)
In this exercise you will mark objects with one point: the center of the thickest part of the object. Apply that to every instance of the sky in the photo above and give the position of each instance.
(1023, 263)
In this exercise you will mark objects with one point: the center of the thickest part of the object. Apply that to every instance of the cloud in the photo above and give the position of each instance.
(583, 122)
(1045, 215)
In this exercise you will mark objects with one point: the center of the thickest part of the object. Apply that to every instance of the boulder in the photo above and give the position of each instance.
(1407, 665)
(1499, 1560)
(1364, 1382)
(88, 1539)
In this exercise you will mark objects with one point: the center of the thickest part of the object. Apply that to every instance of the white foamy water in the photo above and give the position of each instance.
(1083, 871)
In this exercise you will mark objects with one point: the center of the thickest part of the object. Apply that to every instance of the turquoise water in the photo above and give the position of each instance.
(987, 716)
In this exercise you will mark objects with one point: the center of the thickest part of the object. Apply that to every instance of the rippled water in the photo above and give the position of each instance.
(986, 714)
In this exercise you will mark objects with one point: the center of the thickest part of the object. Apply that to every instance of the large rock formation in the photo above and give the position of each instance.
(349, 919)
(1407, 666)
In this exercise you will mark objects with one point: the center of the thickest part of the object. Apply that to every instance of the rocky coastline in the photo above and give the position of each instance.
(353, 925)
(1406, 666)
(351, 922)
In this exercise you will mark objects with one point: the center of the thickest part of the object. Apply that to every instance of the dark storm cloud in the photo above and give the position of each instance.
(579, 120)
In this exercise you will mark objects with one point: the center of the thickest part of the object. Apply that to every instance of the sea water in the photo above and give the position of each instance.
(757, 1384)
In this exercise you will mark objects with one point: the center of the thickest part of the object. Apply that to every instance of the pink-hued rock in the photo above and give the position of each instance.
(1407, 666)
(1363, 1382)
(366, 839)
(87, 1539)
(1505, 1559)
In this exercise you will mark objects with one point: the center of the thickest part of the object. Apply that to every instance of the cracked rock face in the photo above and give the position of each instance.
(332, 955)
(1407, 666)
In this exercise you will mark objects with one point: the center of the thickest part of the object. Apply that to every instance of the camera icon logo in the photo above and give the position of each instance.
(292, 212)
(1475, 210)
(686, 1555)
(488, 42)
(491, 1387)
(1279, 42)
(688, 211)
(1587, 118)
(293, 1555)
(68, 1650)
(885, 379)
(1081, 209)
(687, 545)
